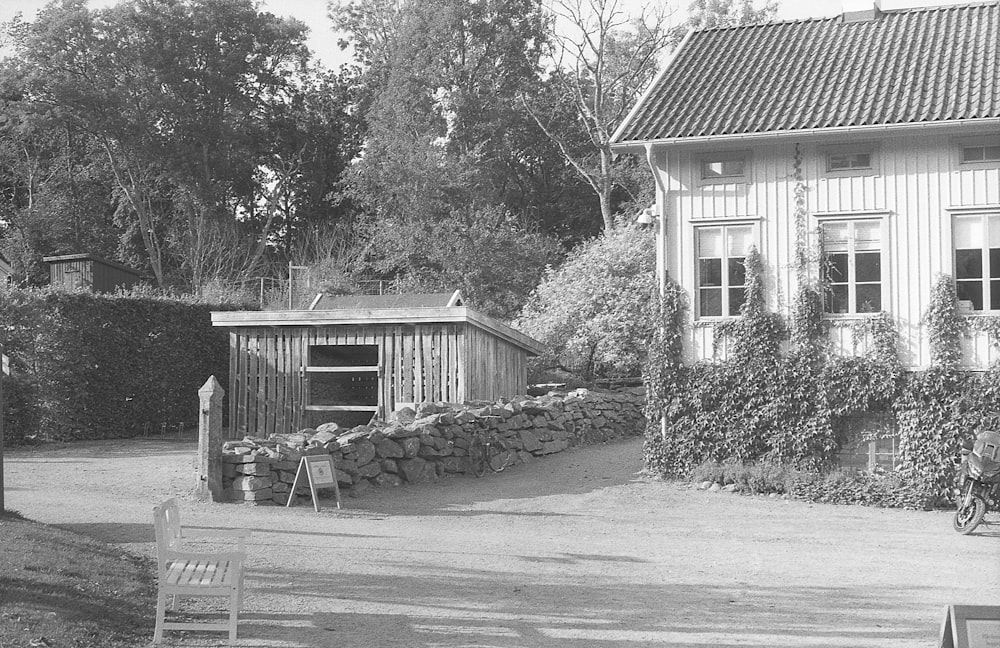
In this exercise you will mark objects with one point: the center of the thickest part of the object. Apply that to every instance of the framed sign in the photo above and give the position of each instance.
(971, 626)
(319, 472)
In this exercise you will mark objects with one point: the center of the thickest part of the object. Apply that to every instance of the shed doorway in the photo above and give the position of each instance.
(342, 384)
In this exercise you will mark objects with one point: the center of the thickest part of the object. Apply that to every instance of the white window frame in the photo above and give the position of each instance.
(722, 224)
(869, 149)
(984, 215)
(702, 159)
(986, 141)
(879, 217)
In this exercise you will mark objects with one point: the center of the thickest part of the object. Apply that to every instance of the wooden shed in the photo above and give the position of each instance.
(350, 359)
(89, 271)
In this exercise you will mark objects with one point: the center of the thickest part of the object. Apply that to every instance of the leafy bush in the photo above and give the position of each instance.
(92, 366)
(891, 490)
(596, 312)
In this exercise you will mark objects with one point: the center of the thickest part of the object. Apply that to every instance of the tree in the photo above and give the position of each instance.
(596, 312)
(206, 116)
(603, 59)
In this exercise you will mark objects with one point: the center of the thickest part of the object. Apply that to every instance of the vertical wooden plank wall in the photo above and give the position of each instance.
(417, 363)
(917, 187)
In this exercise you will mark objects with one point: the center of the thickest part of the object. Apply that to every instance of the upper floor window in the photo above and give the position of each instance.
(852, 266)
(721, 274)
(859, 160)
(986, 153)
(977, 261)
(730, 166)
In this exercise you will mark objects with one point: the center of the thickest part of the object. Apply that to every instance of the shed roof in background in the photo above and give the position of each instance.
(919, 66)
(90, 257)
(379, 317)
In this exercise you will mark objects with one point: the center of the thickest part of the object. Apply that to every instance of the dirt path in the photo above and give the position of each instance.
(575, 550)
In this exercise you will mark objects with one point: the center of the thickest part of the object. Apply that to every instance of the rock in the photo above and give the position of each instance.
(370, 469)
(252, 483)
(280, 487)
(455, 464)
(416, 470)
(529, 440)
(365, 450)
(328, 428)
(324, 436)
(389, 466)
(389, 449)
(254, 469)
(361, 488)
(411, 446)
(715, 487)
(731, 488)
(254, 495)
(404, 416)
(280, 499)
(388, 480)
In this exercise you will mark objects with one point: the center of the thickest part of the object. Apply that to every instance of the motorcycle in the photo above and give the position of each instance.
(978, 482)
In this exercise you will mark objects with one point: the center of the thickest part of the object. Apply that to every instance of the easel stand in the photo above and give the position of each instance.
(319, 472)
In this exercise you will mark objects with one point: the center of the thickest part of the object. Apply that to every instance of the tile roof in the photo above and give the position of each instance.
(907, 66)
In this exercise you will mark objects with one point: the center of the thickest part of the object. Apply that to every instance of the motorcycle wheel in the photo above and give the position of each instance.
(967, 518)
(477, 456)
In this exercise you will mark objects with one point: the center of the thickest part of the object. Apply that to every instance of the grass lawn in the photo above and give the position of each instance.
(62, 590)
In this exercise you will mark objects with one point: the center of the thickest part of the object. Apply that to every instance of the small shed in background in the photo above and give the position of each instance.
(350, 359)
(90, 272)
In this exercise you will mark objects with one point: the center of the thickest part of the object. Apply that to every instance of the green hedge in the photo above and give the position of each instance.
(90, 366)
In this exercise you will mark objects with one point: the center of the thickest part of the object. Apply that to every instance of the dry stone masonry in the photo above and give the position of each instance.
(429, 443)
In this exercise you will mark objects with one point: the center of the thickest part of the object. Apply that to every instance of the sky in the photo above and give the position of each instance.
(323, 41)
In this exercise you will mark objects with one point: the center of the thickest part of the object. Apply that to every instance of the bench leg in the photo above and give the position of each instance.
(234, 610)
(161, 608)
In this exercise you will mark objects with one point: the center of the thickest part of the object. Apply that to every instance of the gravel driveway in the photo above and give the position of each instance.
(575, 550)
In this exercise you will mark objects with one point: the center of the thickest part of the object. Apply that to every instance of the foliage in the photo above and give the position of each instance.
(944, 325)
(64, 589)
(890, 490)
(596, 311)
(490, 258)
(103, 366)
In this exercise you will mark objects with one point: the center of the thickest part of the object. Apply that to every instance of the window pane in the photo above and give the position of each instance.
(991, 153)
(835, 237)
(867, 235)
(968, 233)
(972, 154)
(969, 264)
(836, 300)
(971, 291)
(709, 272)
(993, 225)
(710, 242)
(839, 163)
(737, 272)
(869, 298)
(723, 168)
(995, 295)
(995, 263)
(862, 161)
(739, 240)
(710, 302)
(736, 298)
(836, 268)
(868, 266)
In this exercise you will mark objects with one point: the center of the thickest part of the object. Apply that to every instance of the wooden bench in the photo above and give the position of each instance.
(186, 573)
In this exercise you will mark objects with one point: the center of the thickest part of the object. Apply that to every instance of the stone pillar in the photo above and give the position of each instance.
(210, 441)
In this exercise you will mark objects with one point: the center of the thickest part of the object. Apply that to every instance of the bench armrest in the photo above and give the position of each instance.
(232, 556)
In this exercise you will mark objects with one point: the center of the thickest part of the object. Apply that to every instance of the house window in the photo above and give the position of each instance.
(724, 166)
(852, 266)
(988, 153)
(721, 274)
(977, 261)
(849, 161)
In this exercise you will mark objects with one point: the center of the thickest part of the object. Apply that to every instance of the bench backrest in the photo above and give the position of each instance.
(167, 524)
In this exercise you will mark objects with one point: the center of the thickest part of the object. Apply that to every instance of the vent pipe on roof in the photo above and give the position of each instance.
(861, 10)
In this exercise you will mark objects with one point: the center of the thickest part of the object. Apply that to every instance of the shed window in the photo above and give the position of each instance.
(343, 383)
(721, 274)
(977, 261)
(852, 266)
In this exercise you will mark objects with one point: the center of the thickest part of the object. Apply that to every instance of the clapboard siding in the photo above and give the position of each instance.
(446, 362)
(915, 182)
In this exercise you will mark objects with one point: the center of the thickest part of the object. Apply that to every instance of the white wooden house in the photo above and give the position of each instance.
(889, 121)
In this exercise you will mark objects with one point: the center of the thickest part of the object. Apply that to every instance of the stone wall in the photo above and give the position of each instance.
(429, 443)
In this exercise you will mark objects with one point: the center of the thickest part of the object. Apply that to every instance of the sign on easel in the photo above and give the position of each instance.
(971, 626)
(319, 472)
